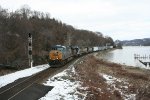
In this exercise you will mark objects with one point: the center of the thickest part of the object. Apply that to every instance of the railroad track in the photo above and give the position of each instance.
(10, 91)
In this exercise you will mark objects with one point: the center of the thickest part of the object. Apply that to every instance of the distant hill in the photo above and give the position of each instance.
(136, 42)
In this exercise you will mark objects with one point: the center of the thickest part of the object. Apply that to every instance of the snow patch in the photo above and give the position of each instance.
(117, 84)
(64, 86)
(9, 78)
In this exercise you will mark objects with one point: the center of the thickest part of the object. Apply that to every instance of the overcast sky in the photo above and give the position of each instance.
(120, 19)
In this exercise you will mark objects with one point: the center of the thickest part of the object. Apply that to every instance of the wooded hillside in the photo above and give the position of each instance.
(46, 31)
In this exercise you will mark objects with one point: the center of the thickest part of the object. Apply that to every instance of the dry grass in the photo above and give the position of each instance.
(118, 69)
(143, 93)
(4, 71)
(87, 73)
(97, 89)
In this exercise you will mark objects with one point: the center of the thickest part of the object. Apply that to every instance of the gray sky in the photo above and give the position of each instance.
(120, 19)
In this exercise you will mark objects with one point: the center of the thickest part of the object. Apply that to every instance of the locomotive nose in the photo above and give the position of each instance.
(55, 55)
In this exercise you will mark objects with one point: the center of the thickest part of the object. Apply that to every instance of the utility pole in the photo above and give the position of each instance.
(68, 39)
(30, 49)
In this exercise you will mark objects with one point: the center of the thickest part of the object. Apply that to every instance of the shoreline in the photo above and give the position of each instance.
(98, 54)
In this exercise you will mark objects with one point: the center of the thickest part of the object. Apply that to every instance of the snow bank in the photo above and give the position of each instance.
(9, 78)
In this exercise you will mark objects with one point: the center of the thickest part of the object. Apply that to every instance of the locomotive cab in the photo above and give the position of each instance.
(61, 54)
(55, 54)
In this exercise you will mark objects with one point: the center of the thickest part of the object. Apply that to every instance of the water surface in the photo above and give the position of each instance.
(126, 55)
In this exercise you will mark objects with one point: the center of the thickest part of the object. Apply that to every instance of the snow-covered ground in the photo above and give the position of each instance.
(9, 78)
(64, 86)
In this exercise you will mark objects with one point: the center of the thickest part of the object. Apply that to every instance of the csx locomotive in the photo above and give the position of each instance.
(62, 54)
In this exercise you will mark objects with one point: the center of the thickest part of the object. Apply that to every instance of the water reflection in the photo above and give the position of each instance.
(126, 55)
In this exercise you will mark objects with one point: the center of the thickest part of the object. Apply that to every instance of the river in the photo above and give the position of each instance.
(126, 55)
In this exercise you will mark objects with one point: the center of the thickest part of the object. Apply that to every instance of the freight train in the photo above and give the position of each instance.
(60, 55)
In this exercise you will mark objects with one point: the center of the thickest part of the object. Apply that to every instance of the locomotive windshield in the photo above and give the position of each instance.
(60, 48)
